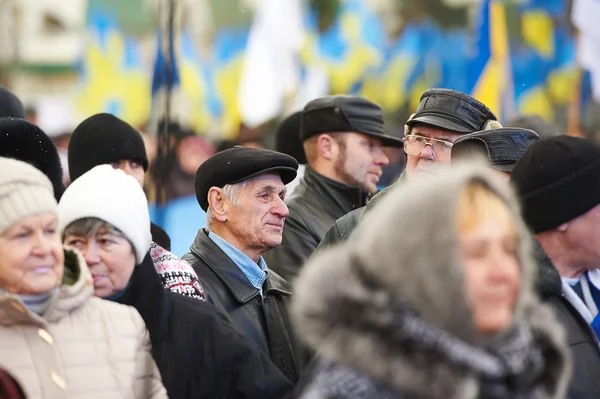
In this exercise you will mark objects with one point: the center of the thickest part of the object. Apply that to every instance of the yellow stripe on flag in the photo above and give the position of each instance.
(491, 83)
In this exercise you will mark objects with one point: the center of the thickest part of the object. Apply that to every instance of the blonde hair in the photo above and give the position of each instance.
(478, 204)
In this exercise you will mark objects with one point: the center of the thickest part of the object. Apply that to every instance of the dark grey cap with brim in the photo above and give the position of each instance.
(344, 114)
(451, 110)
(501, 147)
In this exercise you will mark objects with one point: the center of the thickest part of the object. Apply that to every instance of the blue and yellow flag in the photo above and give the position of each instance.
(489, 71)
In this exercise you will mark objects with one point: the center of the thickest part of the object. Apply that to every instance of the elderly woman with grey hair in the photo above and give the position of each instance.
(56, 338)
(431, 300)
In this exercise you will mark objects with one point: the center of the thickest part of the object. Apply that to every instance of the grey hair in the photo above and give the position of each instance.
(231, 193)
(88, 227)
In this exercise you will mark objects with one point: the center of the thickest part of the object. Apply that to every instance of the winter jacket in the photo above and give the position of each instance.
(197, 350)
(314, 206)
(263, 320)
(388, 315)
(581, 339)
(343, 227)
(81, 347)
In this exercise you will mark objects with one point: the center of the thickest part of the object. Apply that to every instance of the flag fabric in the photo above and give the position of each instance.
(166, 82)
(585, 18)
(271, 69)
(490, 68)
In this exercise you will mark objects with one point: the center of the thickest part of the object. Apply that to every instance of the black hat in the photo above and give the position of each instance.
(287, 138)
(451, 110)
(103, 139)
(536, 123)
(345, 113)
(502, 147)
(240, 163)
(10, 105)
(24, 141)
(557, 179)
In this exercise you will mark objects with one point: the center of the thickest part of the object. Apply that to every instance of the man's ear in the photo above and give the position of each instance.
(327, 146)
(218, 204)
(563, 227)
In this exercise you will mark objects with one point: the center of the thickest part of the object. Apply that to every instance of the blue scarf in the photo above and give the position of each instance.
(119, 295)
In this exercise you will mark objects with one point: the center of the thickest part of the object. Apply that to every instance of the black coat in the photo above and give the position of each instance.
(263, 320)
(582, 340)
(314, 206)
(197, 350)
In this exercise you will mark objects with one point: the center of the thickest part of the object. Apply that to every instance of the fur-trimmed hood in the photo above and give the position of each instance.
(406, 251)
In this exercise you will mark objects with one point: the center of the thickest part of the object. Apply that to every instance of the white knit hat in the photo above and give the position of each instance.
(110, 195)
(24, 191)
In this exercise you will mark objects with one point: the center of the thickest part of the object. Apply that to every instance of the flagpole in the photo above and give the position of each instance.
(574, 113)
(164, 142)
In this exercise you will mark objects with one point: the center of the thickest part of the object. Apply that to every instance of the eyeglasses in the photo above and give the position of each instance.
(414, 145)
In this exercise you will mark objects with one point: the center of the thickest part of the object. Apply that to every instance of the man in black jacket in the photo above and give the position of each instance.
(343, 139)
(242, 191)
(443, 116)
(558, 182)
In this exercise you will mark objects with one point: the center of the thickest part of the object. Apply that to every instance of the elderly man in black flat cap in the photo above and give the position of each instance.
(242, 191)
(343, 139)
(443, 116)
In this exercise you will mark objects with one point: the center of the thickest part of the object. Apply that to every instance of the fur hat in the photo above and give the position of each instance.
(102, 139)
(26, 142)
(24, 191)
(112, 196)
(10, 105)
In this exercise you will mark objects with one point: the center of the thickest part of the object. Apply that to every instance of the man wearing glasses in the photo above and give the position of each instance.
(442, 117)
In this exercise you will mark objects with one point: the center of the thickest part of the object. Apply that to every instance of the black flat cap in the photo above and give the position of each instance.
(502, 147)
(343, 114)
(240, 163)
(10, 105)
(24, 141)
(287, 138)
(451, 110)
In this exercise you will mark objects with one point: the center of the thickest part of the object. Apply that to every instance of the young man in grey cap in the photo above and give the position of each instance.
(242, 191)
(558, 183)
(443, 116)
(343, 139)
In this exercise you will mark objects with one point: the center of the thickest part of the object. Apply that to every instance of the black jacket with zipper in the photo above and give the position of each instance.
(197, 350)
(263, 320)
(581, 339)
(314, 206)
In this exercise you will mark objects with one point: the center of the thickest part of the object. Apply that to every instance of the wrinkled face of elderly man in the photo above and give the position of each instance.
(251, 214)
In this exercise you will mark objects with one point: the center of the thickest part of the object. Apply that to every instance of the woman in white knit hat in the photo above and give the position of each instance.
(104, 214)
(56, 338)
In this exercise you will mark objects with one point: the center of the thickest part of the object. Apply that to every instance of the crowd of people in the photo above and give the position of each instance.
(476, 274)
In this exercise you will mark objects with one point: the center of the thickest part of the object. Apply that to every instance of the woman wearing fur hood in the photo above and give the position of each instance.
(432, 297)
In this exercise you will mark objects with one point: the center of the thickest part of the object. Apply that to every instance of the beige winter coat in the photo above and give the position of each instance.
(82, 347)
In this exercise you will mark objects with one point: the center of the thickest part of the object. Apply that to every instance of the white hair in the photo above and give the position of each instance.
(230, 191)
